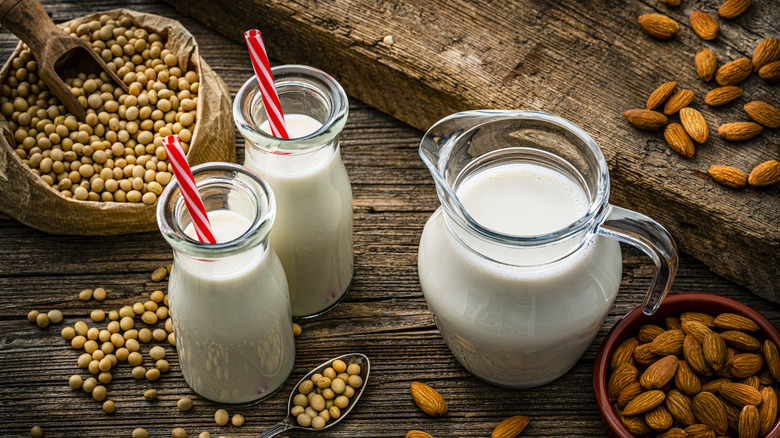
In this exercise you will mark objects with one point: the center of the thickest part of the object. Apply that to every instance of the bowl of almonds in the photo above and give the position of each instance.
(702, 366)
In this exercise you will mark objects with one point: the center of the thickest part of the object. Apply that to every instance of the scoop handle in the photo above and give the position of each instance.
(277, 428)
(29, 21)
(648, 235)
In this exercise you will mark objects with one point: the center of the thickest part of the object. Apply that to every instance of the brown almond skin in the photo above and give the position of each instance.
(644, 402)
(679, 140)
(668, 342)
(733, 8)
(428, 399)
(417, 434)
(728, 176)
(739, 394)
(766, 173)
(705, 26)
(734, 72)
(768, 50)
(767, 412)
(741, 340)
(510, 427)
(763, 113)
(695, 357)
(745, 364)
(770, 72)
(700, 431)
(671, 3)
(680, 406)
(709, 410)
(722, 95)
(660, 373)
(706, 64)
(648, 332)
(628, 393)
(678, 101)
(646, 119)
(624, 353)
(714, 348)
(658, 26)
(674, 432)
(659, 419)
(772, 357)
(703, 318)
(732, 321)
(661, 94)
(739, 131)
(623, 376)
(696, 329)
(686, 381)
(694, 124)
(749, 422)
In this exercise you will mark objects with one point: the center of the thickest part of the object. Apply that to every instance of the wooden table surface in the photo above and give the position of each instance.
(384, 315)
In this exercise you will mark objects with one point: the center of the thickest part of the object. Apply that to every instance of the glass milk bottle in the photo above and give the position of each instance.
(313, 230)
(521, 263)
(228, 301)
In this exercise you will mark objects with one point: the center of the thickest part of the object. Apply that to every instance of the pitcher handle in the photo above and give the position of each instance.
(648, 235)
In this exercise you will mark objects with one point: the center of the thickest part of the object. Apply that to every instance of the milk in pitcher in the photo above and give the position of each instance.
(517, 324)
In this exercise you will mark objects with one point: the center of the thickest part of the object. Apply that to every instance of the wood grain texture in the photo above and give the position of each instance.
(585, 61)
(384, 315)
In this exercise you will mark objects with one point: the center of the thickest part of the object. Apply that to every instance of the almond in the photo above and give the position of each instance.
(739, 131)
(706, 64)
(628, 393)
(745, 364)
(734, 72)
(749, 422)
(696, 329)
(661, 94)
(722, 95)
(648, 332)
(705, 26)
(674, 432)
(764, 376)
(679, 141)
(670, 3)
(763, 113)
(710, 411)
(714, 349)
(739, 394)
(741, 340)
(645, 119)
(644, 357)
(707, 320)
(695, 356)
(732, 321)
(658, 26)
(767, 414)
(770, 72)
(511, 427)
(768, 50)
(659, 419)
(694, 124)
(636, 425)
(670, 341)
(427, 399)
(680, 407)
(623, 376)
(624, 353)
(686, 381)
(751, 381)
(765, 174)
(700, 431)
(732, 415)
(713, 386)
(772, 358)
(678, 101)
(673, 323)
(728, 176)
(660, 373)
(644, 402)
(417, 434)
(733, 8)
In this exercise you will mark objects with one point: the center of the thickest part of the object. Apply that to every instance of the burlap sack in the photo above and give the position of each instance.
(28, 199)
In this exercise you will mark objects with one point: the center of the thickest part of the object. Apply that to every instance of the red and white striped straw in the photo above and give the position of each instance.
(188, 189)
(254, 41)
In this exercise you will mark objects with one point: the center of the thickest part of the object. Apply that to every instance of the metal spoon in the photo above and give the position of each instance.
(289, 422)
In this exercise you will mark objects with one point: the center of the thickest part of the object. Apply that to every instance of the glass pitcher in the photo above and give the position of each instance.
(521, 263)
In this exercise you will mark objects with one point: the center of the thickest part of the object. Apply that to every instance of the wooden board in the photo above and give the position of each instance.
(586, 61)
(383, 316)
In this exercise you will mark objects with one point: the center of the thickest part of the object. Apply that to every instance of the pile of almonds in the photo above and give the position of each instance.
(693, 127)
(700, 376)
(432, 403)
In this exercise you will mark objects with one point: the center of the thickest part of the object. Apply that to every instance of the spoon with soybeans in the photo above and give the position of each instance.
(55, 51)
(325, 395)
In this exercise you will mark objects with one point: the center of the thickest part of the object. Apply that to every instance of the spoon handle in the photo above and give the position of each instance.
(277, 429)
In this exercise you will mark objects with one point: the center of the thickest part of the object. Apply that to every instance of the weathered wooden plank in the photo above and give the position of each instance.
(586, 61)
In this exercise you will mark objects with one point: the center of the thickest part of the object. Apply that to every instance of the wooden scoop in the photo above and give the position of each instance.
(55, 51)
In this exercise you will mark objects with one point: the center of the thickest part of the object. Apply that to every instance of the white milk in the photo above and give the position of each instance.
(231, 318)
(312, 234)
(518, 326)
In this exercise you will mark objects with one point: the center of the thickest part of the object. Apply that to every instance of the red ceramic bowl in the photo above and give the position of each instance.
(673, 305)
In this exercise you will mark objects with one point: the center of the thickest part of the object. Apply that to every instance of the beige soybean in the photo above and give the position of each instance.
(221, 417)
(150, 394)
(140, 432)
(179, 433)
(42, 320)
(75, 382)
(184, 404)
(36, 432)
(55, 316)
(138, 372)
(237, 420)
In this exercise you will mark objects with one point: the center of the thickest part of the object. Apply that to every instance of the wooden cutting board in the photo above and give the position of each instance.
(587, 61)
